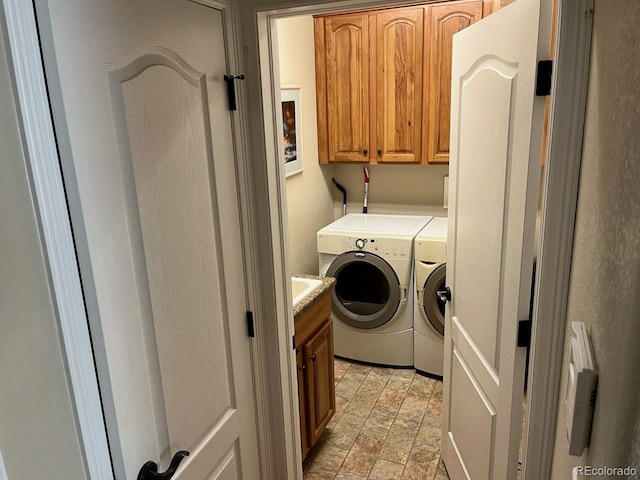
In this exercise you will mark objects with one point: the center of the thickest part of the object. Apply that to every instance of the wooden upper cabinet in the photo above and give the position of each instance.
(342, 87)
(444, 20)
(398, 89)
(383, 82)
(369, 86)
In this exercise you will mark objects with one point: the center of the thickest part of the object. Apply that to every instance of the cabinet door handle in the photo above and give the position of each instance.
(365, 151)
(379, 152)
(302, 368)
(313, 357)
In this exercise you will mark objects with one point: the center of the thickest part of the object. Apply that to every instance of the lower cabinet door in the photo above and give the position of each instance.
(321, 406)
(304, 421)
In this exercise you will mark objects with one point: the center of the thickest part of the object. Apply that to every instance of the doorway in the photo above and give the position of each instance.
(551, 236)
(380, 412)
(302, 37)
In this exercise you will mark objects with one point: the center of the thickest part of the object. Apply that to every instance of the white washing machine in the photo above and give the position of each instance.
(430, 254)
(372, 303)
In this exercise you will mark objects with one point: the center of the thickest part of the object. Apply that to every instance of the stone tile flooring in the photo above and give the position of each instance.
(386, 426)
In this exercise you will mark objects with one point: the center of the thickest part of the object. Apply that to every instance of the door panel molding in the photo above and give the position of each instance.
(466, 347)
(122, 76)
(156, 179)
(151, 56)
(476, 429)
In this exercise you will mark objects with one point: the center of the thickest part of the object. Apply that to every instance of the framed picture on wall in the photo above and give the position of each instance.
(292, 130)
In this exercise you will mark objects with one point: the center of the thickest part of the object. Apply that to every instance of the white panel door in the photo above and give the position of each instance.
(496, 125)
(149, 131)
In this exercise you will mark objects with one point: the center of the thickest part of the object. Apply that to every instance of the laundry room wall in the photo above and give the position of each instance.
(605, 276)
(397, 189)
(38, 432)
(309, 199)
(312, 200)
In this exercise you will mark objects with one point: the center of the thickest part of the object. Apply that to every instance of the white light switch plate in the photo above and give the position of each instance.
(581, 390)
(3, 472)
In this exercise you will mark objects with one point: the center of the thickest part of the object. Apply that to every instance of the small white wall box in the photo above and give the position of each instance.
(581, 390)
(445, 200)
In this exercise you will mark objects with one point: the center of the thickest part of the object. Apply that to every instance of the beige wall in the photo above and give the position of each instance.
(309, 200)
(38, 435)
(312, 200)
(605, 277)
(410, 189)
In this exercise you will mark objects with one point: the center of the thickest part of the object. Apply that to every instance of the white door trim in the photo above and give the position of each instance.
(50, 203)
(560, 196)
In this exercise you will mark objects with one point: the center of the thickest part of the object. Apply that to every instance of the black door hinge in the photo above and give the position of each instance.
(250, 326)
(524, 333)
(543, 78)
(231, 89)
(293, 342)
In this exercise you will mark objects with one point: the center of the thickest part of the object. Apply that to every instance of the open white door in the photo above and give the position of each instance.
(145, 134)
(496, 135)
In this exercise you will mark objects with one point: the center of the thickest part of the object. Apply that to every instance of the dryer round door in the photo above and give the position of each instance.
(431, 303)
(367, 291)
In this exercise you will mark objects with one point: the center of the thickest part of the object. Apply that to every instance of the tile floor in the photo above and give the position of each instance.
(386, 426)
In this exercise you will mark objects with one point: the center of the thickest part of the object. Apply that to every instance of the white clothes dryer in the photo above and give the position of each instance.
(372, 303)
(430, 253)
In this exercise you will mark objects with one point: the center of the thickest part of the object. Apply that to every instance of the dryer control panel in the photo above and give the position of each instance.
(384, 247)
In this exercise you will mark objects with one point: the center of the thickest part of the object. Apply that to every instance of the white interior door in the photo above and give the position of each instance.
(496, 134)
(145, 112)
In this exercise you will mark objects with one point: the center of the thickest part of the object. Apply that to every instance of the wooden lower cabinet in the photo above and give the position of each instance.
(318, 356)
(316, 381)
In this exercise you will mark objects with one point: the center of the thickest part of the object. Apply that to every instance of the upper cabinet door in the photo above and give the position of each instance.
(342, 72)
(397, 85)
(444, 20)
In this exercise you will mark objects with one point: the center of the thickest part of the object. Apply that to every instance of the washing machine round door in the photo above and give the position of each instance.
(367, 291)
(431, 303)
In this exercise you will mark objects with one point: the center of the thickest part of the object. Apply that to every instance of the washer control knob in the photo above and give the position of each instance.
(360, 243)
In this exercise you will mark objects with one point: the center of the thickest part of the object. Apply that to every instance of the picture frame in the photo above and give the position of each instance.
(291, 111)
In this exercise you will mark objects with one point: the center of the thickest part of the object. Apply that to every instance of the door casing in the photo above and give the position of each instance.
(559, 195)
(262, 196)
